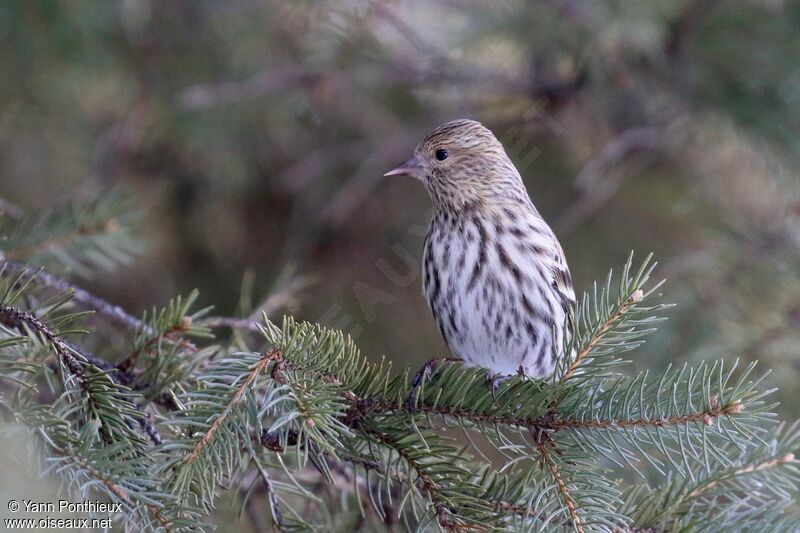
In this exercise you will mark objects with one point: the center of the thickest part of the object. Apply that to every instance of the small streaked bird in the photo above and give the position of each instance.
(494, 274)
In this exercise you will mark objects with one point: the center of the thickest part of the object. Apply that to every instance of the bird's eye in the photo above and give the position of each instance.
(441, 154)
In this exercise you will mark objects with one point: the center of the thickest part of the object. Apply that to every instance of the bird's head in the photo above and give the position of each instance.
(464, 167)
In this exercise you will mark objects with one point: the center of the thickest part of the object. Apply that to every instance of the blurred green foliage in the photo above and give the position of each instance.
(255, 133)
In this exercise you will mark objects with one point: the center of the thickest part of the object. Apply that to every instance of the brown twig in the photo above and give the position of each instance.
(706, 417)
(274, 503)
(18, 319)
(280, 298)
(79, 295)
(231, 322)
(562, 486)
(281, 78)
(553, 423)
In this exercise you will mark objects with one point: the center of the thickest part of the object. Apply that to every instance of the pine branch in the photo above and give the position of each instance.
(118, 471)
(83, 237)
(220, 417)
(604, 328)
(113, 487)
(99, 392)
(274, 504)
(77, 360)
(13, 317)
(614, 318)
(171, 324)
(62, 240)
(562, 486)
(355, 418)
(769, 464)
(706, 417)
(235, 398)
(313, 400)
(438, 500)
(363, 409)
(743, 495)
(528, 405)
(79, 295)
(640, 413)
(324, 352)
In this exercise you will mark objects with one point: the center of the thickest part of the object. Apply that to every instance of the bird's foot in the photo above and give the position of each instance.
(424, 374)
(494, 380)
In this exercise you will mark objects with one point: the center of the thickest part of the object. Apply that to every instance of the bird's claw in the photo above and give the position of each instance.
(495, 380)
(425, 374)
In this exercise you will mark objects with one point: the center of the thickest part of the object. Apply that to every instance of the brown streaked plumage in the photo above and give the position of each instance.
(494, 274)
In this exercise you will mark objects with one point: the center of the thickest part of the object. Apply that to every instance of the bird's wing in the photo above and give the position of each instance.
(562, 283)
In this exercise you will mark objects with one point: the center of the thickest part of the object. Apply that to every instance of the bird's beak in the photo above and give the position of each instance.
(411, 168)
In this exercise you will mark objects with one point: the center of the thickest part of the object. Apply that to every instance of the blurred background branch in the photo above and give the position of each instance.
(252, 134)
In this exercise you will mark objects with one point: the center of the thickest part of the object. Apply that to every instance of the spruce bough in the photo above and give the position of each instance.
(306, 432)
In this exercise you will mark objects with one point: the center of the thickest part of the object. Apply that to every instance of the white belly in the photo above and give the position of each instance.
(492, 316)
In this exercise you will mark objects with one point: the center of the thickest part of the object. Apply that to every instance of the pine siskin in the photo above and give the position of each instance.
(494, 273)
